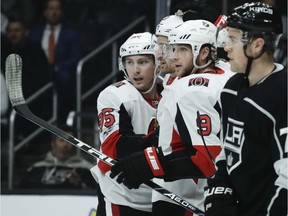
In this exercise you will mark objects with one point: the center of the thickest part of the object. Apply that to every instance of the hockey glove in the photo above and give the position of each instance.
(138, 168)
(220, 199)
(153, 138)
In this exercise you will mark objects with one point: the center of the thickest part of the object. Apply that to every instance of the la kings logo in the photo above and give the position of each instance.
(233, 143)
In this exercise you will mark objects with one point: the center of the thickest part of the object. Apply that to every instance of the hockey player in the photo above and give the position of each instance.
(127, 112)
(251, 177)
(182, 158)
(167, 66)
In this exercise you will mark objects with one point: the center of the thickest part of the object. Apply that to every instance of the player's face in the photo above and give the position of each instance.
(140, 69)
(235, 51)
(61, 149)
(182, 59)
(166, 63)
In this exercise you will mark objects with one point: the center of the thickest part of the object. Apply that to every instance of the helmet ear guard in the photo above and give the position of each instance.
(120, 64)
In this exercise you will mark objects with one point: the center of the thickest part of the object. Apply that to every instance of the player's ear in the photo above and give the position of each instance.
(203, 54)
(257, 45)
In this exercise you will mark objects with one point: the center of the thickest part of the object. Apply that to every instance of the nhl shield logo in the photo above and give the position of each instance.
(233, 143)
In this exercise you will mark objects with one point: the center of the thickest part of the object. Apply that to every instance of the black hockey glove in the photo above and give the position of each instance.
(138, 168)
(220, 199)
(153, 137)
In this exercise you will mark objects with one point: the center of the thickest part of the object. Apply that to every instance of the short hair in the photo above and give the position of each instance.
(65, 128)
(17, 19)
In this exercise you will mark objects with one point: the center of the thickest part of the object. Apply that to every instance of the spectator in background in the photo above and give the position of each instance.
(61, 168)
(62, 48)
(35, 70)
(35, 66)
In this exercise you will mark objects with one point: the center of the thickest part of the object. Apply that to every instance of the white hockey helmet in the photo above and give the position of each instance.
(194, 32)
(167, 24)
(139, 44)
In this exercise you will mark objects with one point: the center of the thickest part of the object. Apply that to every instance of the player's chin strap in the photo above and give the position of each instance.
(196, 67)
(250, 58)
(154, 80)
(161, 75)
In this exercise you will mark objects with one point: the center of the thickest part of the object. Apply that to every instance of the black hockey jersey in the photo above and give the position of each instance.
(255, 142)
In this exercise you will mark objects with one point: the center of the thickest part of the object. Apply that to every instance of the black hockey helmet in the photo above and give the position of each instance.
(256, 18)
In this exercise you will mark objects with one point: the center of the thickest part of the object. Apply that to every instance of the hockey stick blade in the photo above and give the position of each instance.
(14, 86)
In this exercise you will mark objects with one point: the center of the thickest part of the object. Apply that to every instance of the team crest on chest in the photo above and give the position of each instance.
(233, 143)
(198, 81)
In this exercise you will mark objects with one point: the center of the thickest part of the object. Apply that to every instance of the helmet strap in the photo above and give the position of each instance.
(196, 67)
(248, 66)
(152, 86)
(250, 59)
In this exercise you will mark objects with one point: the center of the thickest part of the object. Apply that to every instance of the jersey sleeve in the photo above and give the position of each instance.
(117, 135)
(193, 115)
(278, 203)
(280, 143)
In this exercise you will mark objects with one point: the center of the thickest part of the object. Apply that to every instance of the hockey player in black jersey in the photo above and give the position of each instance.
(251, 177)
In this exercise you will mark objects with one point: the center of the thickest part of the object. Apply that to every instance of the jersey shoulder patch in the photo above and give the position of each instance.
(198, 81)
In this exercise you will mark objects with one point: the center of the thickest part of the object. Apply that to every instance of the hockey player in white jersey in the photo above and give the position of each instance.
(126, 113)
(167, 66)
(183, 161)
(166, 63)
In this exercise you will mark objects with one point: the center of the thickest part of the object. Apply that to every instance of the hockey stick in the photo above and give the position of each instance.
(14, 86)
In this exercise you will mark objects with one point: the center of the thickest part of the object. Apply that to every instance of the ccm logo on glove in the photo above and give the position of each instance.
(218, 190)
(153, 161)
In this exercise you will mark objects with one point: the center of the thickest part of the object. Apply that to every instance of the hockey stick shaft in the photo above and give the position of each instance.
(14, 86)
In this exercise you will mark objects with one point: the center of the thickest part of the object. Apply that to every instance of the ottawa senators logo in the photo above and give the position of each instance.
(198, 81)
(153, 125)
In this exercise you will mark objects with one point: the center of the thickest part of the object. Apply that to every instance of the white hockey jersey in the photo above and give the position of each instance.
(179, 129)
(168, 81)
(121, 108)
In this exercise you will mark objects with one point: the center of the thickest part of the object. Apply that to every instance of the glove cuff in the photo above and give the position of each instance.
(151, 155)
(219, 192)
